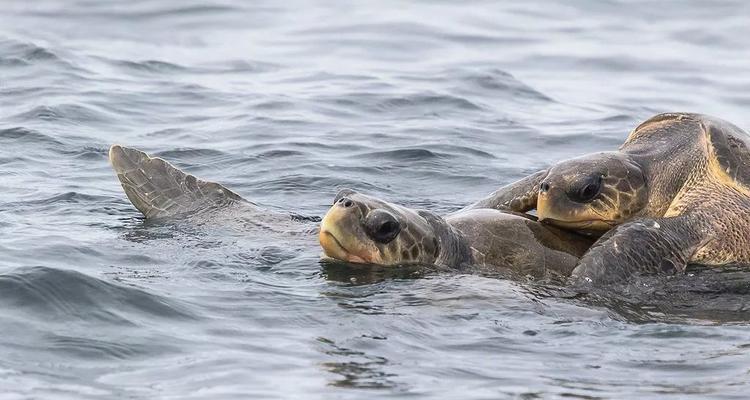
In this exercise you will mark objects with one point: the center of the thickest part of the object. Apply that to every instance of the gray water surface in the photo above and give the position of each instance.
(426, 103)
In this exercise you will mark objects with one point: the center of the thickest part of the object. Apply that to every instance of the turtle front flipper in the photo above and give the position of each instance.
(520, 196)
(649, 246)
(158, 189)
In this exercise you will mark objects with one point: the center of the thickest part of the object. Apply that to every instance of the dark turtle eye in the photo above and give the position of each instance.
(381, 226)
(591, 188)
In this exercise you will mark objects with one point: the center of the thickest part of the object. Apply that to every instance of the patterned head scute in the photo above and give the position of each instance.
(593, 192)
(360, 228)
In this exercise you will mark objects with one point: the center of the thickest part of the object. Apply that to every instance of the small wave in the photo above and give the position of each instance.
(425, 103)
(70, 197)
(264, 257)
(273, 154)
(136, 13)
(151, 66)
(429, 100)
(189, 153)
(97, 349)
(275, 105)
(67, 203)
(297, 183)
(495, 80)
(412, 154)
(301, 123)
(20, 134)
(64, 294)
(16, 53)
(240, 66)
(620, 119)
(325, 76)
(74, 113)
(307, 147)
(91, 153)
(464, 150)
(198, 10)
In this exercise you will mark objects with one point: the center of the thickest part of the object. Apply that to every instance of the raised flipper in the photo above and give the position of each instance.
(520, 196)
(651, 246)
(158, 189)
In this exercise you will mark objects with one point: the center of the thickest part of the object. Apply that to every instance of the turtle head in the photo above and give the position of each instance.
(364, 229)
(592, 193)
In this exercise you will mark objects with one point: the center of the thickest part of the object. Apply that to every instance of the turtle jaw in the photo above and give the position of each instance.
(334, 249)
(592, 225)
(570, 215)
(342, 238)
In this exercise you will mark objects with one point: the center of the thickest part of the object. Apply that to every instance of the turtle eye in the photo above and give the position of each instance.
(381, 226)
(589, 191)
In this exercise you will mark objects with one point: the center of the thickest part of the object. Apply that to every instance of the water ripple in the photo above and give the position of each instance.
(64, 113)
(428, 104)
(15, 53)
(49, 293)
(26, 136)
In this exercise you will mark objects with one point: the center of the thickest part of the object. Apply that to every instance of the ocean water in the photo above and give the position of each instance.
(431, 104)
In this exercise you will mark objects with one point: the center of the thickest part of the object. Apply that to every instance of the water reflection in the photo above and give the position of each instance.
(357, 369)
(367, 274)
(703, 295)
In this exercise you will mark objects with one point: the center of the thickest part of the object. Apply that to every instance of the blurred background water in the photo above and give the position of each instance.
(431, 104)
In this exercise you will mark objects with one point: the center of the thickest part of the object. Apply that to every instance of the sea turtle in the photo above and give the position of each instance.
(363, 229)
(677, 190)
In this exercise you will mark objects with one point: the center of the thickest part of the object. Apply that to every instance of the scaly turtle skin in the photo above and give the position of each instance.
(364, 229)
(677, 191)
(157, 189)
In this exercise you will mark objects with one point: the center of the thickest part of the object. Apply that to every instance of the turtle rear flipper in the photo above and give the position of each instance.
(158, 189)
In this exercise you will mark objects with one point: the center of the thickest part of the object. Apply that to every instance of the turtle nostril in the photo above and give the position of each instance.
(345, 202)
(342, 194)
(544, 187)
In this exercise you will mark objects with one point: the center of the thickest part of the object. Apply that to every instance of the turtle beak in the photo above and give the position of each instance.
(544, 202)
(342, 237)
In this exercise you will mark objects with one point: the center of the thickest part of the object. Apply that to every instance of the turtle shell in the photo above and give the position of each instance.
(729, 147)
(726, 145)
